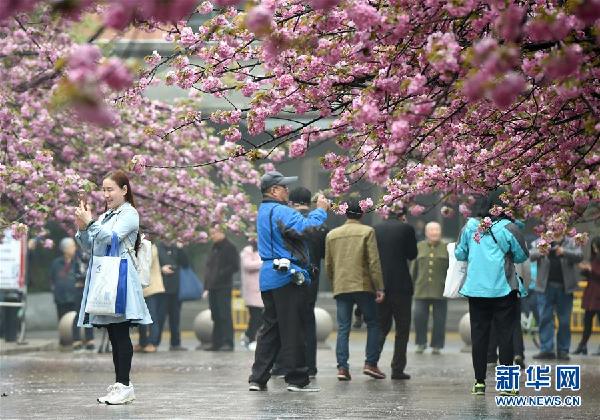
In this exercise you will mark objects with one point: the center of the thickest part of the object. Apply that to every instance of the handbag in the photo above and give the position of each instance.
(190, 286)
(107, 293)
(456, 274)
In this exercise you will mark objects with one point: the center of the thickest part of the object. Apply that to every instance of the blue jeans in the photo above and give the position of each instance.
(366, 303)
(555, 299)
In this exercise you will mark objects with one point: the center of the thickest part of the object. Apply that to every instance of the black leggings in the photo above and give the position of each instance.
(122, 350)
(502, 312)
(588, 319)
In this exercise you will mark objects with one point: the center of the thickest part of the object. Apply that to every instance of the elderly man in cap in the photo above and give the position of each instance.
(284, 280)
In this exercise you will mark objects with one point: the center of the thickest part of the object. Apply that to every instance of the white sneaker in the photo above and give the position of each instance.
(306, 388)
(120, 394)
(252, 346)
(109, 389)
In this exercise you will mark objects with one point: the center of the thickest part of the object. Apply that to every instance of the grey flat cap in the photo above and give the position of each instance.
(275, 178)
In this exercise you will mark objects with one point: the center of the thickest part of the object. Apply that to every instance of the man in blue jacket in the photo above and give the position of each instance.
(283, 279)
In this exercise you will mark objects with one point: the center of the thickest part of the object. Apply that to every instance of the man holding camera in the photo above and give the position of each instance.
(283, 283)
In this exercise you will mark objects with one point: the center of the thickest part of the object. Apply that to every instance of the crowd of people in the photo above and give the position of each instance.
(383, 271)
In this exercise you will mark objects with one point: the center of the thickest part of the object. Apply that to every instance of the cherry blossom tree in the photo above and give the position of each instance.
(48, 154)
(456, 98)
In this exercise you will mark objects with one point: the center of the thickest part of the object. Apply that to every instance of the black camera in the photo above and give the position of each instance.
(298, 277)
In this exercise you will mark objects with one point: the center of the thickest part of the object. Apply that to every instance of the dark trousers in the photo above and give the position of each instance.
(310, 332)
(122, 350)
(396, 306)
(517, 339)
(152, 302)
(482, 312)
(166, 304)
(588, 320)
(254, 322)
(219, 301)
(421, 314)
(282, 332)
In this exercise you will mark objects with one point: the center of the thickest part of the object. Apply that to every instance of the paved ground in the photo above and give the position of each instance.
(196, 384)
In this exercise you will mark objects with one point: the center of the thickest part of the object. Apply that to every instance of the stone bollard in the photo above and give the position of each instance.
(464, 328)
(203, 326)
(324, 324)
(65, 328)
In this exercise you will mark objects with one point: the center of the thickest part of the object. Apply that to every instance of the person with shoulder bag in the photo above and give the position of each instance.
(110, 234)
(491, 284)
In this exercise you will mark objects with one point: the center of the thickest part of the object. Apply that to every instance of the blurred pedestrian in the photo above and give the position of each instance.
(121, 218)
(250, 267)
(591, 296)
(354, 269)
(283, 278)
(223, 262)
(557, 279)
(153, 294)
(172, 259)
(66, 273)
(397, 245)
(429, 274)
(491, 284)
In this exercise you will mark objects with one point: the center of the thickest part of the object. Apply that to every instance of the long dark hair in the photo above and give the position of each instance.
(121, 179)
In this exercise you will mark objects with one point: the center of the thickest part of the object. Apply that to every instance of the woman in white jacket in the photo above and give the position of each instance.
(121, 218)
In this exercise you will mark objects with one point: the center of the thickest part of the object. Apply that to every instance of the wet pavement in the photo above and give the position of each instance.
(206, 385)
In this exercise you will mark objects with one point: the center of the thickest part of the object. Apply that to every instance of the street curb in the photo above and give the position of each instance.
(12, 348)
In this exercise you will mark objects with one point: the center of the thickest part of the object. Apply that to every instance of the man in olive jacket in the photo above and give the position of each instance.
(352, 264)
(429, 275)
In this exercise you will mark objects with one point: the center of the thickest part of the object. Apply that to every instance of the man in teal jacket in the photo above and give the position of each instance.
(491, 285)
(283, 279)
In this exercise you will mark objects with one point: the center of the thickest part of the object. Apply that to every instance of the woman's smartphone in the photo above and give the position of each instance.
(82, 196)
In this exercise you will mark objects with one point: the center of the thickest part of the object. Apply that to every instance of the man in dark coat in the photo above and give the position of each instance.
(300, 199)
(223, 262)
(397, 244)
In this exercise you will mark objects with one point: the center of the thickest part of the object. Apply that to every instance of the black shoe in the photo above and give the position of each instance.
(563, 356)
(177, 348)
(210, 348)
(400, 375)
(226, 347)
(255, 386)
(545, 355)
(520, 361)
(581, 350)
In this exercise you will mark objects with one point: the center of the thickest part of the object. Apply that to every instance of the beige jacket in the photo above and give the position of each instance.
(352, 259)
(156, 280)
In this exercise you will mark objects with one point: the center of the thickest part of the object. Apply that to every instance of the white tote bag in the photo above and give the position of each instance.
(104, 282)
(104, 279)
(456, 274)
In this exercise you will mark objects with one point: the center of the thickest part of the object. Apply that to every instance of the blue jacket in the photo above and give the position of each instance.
(271, 243)
(491, 265)
(124, 221)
